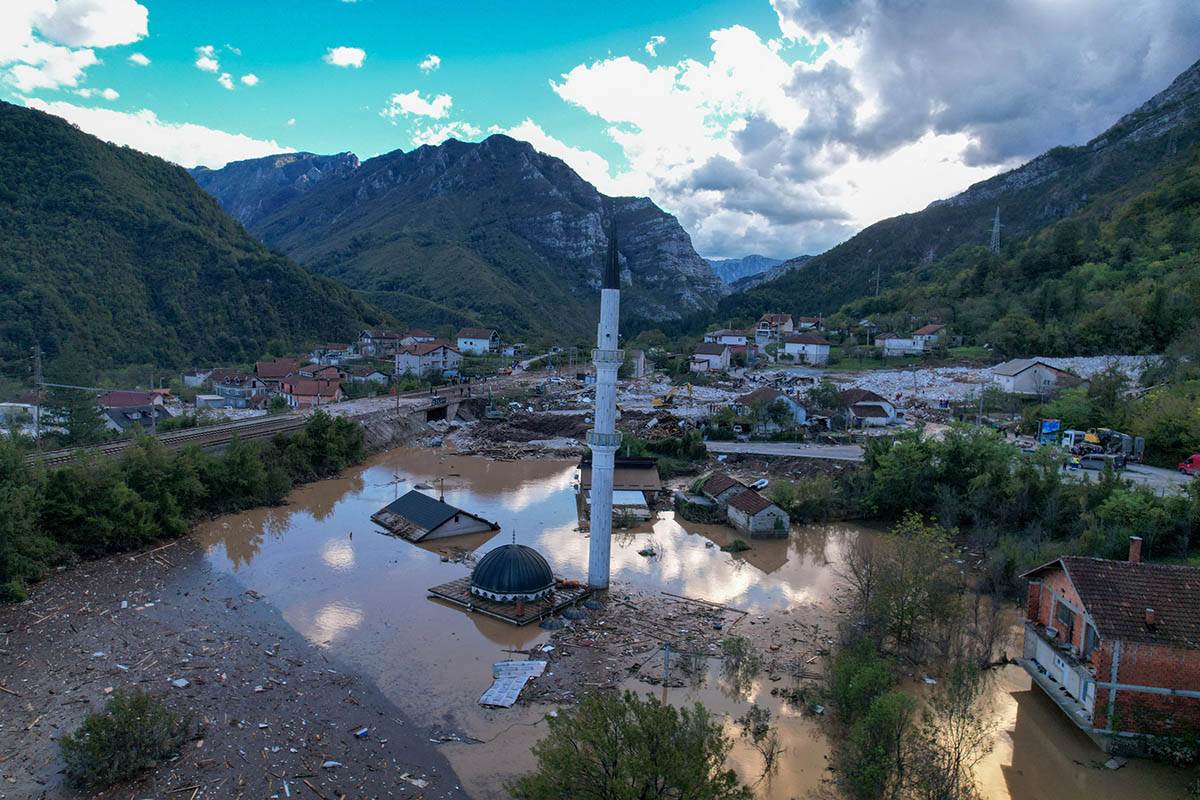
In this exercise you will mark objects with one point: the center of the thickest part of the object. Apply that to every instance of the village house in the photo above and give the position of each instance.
(210, 402)
(1116, 644)
(867, 409)
(310, 392)
(929, 336)
(773, 327)
(123, 399)
(272, 372)
(127, 418)
(416, 516)
(477, 341)
(379, 343)
(428, 358)
(726, 336)
(808, 323)
(720, 488)
(895, 345)
(765, 397)
(367, 375)
(754, 514)
(195, 378)
(709, 357)
(637, 363)
(416, 336)
(332, 353)
(239, 389)
(635, 485)
(807, 348)
(1030, 377)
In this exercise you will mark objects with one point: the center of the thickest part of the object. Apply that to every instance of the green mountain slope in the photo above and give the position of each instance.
(920, 258)
(110, 257)
(492, 233)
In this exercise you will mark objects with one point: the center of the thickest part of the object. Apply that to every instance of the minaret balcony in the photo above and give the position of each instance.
(608, 357)
(598, 439)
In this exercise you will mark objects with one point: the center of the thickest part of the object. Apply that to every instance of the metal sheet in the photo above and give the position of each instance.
(508, 679)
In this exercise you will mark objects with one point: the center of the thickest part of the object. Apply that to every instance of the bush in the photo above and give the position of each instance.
(134, 732)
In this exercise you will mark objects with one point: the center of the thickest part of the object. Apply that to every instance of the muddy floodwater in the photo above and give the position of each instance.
(348, 587)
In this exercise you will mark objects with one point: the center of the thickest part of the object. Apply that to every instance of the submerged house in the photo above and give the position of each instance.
(754, 514)
(636, 483)
(417, 516)
(1116, 644)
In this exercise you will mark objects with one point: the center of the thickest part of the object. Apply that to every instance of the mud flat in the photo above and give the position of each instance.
(274, 707)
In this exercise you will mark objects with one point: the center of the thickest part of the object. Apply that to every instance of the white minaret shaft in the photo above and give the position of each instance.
(603, 439)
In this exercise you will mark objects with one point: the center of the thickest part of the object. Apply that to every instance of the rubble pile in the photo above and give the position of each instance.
(522, 435)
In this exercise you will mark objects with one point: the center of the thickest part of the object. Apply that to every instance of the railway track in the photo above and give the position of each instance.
(219, 435)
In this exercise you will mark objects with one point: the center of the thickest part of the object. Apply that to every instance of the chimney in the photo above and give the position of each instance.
(1135, 549)
(1151, 618)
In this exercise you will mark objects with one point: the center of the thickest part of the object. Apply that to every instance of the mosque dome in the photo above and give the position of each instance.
(512, 572)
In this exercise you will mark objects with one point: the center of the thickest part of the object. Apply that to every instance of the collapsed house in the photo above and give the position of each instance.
(636, 484)
(417, 516)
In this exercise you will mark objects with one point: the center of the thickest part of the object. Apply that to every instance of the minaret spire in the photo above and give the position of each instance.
(604, 439)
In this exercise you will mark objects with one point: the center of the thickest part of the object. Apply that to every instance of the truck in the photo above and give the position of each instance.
(1190, 465)
(1104, 441)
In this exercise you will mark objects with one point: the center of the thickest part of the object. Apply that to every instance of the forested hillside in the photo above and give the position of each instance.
(111, 257)
(1098, 246)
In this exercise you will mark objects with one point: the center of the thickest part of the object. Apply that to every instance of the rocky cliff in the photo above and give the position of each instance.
(731, 270)
(493, 232)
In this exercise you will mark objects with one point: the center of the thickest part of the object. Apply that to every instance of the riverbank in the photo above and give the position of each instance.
(275, 708)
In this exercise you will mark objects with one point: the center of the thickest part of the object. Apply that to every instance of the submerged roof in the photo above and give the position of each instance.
(512, 569)
(1116, 594)
(422, 510)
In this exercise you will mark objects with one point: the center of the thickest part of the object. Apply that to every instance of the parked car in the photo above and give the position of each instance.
(1190, 465)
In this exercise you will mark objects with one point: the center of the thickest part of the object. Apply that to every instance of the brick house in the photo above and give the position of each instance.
(311, 393)
(1116, 644)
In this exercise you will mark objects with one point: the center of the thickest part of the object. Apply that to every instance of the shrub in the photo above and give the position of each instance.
(134, 732)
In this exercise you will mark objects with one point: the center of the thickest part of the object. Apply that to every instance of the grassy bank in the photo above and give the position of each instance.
(97, 506)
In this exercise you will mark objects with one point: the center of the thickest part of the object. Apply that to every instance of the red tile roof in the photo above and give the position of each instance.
(765, 393)
(805, 338)
(1116, 594)
(719, 482)
(276, 369)
(310, 387)
(856, 396)
(476, 333)
(928, 330)
(425, 348)
(122, 399)
(750, 501)
(711, 349)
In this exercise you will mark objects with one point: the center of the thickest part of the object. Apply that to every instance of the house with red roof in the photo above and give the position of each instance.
(311, 392)
(1116, 644)
(757, 516)
(423, 359)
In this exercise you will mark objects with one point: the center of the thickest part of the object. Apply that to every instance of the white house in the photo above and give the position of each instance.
(894, 346)
(756, 515)
(808, 348)
(927, 337)
(1031, 377)
(416, 336)
(428, 358)
(478, 341)
(379, 342)
(637, 363)
(195, 378)
(710, 357)
(747, 404)
(867, 409)
(368, 375)
(727, 337)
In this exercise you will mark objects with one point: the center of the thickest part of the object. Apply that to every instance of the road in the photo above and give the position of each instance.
(833, 452)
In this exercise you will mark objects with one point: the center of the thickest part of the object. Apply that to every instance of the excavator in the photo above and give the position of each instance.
(668, 399)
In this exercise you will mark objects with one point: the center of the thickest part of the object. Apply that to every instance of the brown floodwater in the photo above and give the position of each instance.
(362, 595)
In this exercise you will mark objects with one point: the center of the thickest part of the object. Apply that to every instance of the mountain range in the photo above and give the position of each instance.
(731, 270)
(111, 257)
(936, 264)
(492, 233)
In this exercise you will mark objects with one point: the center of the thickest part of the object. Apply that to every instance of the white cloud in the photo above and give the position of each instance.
(291, 122)
(48, 45)
(430, 63)
(139, 59)
(183, 143)
(107, 94)
(653, 43)
(345, 56)
(436, 134)
(250, 79)
(95, 23)
(226, 80)
(206, 58)
(758, 150)
(591, 166)
(411, 103)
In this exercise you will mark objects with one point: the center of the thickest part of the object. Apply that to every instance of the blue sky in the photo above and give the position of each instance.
(772, 126)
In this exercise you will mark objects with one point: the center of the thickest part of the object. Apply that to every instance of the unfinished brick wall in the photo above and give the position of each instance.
(1156, 666)
(1056, 582)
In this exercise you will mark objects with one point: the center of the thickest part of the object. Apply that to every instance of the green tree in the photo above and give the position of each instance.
(620, 747)
(77, 412)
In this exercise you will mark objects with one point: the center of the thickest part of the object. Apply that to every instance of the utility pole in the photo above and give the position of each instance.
(995, 243)
(37, 397)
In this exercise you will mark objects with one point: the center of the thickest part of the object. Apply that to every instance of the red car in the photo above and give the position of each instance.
(1190, 465)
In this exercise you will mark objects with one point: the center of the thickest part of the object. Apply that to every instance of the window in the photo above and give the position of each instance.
(1066, 622)
(1091, 641)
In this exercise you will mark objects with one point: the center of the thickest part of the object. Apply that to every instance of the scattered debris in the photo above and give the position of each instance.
(509, 678)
